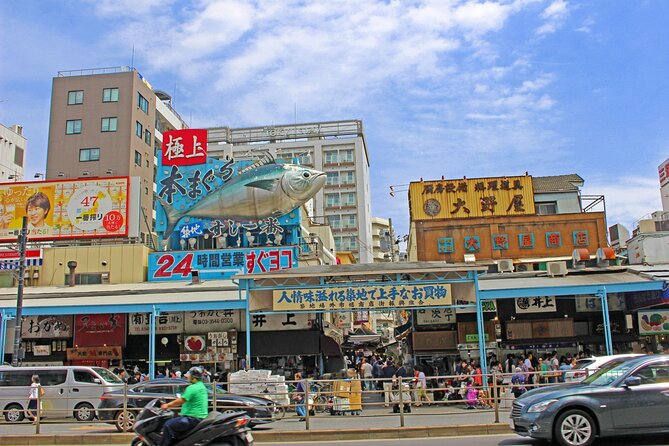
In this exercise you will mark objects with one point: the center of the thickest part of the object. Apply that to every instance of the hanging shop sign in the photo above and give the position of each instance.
(41, 350)
(360, 317)
(46, 327)
(588, 303)
(368, 297)
(205, 321)
(10, 258)
(469, 198)
(220, 264)
(91, 330)
(195, 343)
(538, 304)
(218, 339)
(653, 322)
(435, 316)
(65, 209)
(166, 323)
(646, 299)
(280, 322)
(488, 306)
(94, 353)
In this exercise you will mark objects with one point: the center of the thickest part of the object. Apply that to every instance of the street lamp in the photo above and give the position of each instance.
(39, 175)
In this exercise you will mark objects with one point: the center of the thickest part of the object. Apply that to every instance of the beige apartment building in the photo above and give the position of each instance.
(337, 148)
(109, 122)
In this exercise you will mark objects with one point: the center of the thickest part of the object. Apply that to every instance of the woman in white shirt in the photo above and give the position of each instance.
(35, 395)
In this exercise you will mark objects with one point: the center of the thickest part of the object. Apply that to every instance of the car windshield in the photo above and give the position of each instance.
(608, 373)
(107, 375)
(583, 363)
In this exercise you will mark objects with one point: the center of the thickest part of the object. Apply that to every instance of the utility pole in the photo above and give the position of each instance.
(23, 241)
(391, 241)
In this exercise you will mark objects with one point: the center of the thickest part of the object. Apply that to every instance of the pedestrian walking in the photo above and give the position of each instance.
(35, 399)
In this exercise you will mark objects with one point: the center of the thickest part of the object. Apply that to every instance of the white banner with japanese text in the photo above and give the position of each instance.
(166, 323)
(365, 297)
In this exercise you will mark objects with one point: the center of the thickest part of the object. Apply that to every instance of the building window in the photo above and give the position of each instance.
(75, 97)
(73, 127)
(346, 156)
(85, 279)
(89, 154)
(18, 156)
(109, 124)
(349, 221)
(332, 200)
(348, 177)
(142, 103)
(147, 137)
(348, 198)
(331, 157)
(334, 221)
(110, 95)
(332, 178)
(139, 129)
(138, 158)
(546, 208)
(305, 159)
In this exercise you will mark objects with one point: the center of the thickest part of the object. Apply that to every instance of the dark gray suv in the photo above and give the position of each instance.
(626, 398)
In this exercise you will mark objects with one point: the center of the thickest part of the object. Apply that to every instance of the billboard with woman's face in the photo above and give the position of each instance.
(65, 209)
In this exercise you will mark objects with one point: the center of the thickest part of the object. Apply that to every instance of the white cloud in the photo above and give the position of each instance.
(554, 15)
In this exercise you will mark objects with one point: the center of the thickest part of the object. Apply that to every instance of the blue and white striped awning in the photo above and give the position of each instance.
(14, 263)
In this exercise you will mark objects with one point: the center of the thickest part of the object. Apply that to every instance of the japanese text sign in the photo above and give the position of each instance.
(538, 304)
(46, 327)
(279, 322)
(435, 316)
(184, 147)
(94, 353)
(368, 297)
(206, 321)
(91, 330)
(589, 303)
(166, 323)
(467, 198)
(219, 264)
(65, 209)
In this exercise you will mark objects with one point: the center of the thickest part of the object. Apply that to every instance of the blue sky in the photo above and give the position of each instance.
(453, 88)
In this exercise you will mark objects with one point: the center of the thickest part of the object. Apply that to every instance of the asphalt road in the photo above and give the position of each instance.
(490, 440)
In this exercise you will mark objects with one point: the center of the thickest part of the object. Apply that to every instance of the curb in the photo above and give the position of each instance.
(276, 436)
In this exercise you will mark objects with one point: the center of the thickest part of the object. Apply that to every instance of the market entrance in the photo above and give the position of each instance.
(330, 291)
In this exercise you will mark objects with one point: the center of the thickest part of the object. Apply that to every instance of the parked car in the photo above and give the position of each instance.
(69, 391)
(261, 410)
(587, 366)
(626, 398)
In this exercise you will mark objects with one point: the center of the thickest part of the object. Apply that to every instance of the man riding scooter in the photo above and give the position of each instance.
(194, 407)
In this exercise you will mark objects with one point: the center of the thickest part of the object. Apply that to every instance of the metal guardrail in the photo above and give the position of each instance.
(322, 398)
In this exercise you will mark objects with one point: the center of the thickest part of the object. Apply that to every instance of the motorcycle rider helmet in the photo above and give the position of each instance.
(194, 372)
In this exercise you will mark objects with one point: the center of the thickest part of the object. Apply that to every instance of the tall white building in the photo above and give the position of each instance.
(383, 235)
(12, 153)
(337, 148)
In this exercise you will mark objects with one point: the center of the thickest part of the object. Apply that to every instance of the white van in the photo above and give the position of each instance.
(69, 391)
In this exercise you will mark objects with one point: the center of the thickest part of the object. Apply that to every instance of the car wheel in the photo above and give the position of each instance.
(124, 422)
(84, 412)
(14, 413)
(575, 428)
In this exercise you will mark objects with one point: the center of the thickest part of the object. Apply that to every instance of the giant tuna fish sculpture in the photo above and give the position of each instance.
(261, 190)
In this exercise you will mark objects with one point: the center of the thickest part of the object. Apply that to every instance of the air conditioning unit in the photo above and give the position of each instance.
(556, 268)
(505, 266)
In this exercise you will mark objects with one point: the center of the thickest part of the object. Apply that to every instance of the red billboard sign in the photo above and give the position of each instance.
(184, 147)
(15, 255)
(95, 330)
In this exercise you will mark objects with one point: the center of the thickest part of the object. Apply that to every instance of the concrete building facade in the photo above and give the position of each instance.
(109, 122)
(337, 148)
(12, 153)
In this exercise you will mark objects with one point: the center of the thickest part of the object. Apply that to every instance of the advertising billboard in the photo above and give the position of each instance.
(471, 197)
(655, 322)
(65, 209)
(219, 264)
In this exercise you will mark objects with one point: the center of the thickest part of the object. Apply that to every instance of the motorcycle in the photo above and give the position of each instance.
(215, 430)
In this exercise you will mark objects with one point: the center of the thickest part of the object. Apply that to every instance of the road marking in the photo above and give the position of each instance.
(396, 439)
(83, 428)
